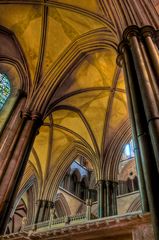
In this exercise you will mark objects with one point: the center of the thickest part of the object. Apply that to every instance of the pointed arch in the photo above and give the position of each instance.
(64, 161)
(61, 206)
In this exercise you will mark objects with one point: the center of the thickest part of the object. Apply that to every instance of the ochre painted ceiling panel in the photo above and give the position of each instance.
(92, 6)
(89, 88)
(62, 140)
(97, 70)
(93, 106)
(64, 27)
(121, 83)
(73, 122)
(119, 113)
(25, 22)
(35, 164)
(41, 146)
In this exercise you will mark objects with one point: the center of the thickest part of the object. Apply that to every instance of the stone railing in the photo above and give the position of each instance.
(136, 226)
(57, 222)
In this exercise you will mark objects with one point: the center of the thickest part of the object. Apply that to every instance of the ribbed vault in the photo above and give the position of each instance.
(73, 81)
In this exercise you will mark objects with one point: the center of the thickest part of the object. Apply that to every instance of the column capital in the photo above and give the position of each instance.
(115, 184)
(32, 115)
(148, 31)
(89, 202)
(121, 49)
(21, 93)
(131, 31)
(26, 114)
(108, 182)
(38, 202)
(119, 60)
(100, 182)
(51, 204)
(36, 116)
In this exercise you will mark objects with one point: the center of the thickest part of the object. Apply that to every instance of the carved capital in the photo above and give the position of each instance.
(100, 182)
(21, 93)
(148, 31)
(131, 31)
(51, 204)
(119, 60)
(25, 114)
(30, 115)
(36, 116)
(121, 49)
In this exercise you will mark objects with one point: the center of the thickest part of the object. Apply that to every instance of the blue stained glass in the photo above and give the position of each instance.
(4, 89)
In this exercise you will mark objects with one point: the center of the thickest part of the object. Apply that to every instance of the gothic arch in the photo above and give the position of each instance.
(135, 205)
(65, 159)
(61, 206)
(95, 40)
(114, 151)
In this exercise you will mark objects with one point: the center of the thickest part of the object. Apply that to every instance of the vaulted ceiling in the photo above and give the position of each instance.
(89, 106)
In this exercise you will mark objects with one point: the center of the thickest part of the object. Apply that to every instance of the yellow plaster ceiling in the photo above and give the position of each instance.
(92, 6)
(25, 22)
(94, 89)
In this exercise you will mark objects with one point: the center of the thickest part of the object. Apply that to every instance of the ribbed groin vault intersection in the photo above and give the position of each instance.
(79, 119)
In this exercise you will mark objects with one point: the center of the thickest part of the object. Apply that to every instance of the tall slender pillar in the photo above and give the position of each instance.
(43, 210)
(11, 129)
(114, 198)
(16, 160)
(107, 198)
(101, 203)
(88, 209)
(149, 37)
(110, 198)
(146, 85)
(142, 186)
(145, 114)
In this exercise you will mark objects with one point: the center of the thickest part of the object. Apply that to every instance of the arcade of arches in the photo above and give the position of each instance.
(78, 81)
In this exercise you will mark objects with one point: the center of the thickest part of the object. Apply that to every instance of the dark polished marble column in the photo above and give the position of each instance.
(145, 111)
(16, 160)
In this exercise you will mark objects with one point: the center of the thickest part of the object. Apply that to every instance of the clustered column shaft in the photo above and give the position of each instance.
(43, 210)
(107, 198)
(136, 53)
(16, 160)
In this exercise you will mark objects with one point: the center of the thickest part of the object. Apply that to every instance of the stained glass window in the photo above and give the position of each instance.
(4, 89)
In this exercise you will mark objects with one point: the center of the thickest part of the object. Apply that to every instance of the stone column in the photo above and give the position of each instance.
(16, 160)
(130, 95)
(52, 214)
(149, 36)
(114, 198)
(43, 210)
(145, 107)
(78, 186)
(110, 198)
(88, 209)
(9, 132)
(49, 206)
(38, 211)
(149, 93)
(101, 203)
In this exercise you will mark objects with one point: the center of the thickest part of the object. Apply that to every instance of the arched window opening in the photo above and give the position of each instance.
(5, 89)
(73, 183)
(127, 174)
(135, 183)
(128, 151)
(83, 190)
